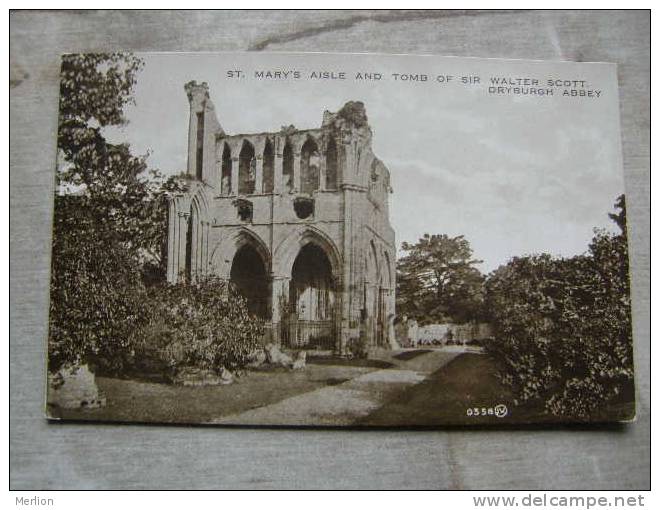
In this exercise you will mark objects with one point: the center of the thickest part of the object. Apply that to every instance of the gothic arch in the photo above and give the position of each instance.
(200, 197)
(287, 165)
(225, 170)
(268, 168)
(249, 275)
(387, 270)
(286, 252)
(310, 161)
(197, 234)
(299, 140)
(372, 272)
(226, 249)
(247, 165)
(331, 164)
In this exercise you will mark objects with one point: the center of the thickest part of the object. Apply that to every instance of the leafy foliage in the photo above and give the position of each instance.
(563, 327)
(354, 113)
(107, 289)
(95, 304)
(204, 324)
(437, 280)
(109, 219)
(358, 347)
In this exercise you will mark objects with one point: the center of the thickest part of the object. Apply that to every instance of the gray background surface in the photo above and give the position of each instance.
(44, 455)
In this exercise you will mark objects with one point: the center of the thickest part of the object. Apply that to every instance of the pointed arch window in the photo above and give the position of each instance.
(331, 167)
(247, 169)
(268, 167)
(225, 182)
(309, 167)
(199, 156)
(287, 167)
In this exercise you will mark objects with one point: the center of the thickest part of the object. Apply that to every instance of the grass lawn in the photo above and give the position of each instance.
(464, 381)
(408, 355)
(468, 381)
(129, 400)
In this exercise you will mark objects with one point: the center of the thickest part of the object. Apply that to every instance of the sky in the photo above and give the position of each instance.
(514, 174)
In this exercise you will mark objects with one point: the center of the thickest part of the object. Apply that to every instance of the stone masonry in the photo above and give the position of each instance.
(297, 219)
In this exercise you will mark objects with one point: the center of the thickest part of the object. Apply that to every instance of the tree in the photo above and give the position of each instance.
(104, 203)
(109, 228)
(94, 89)
(437, 280)
(124, 195)
(563, 328)
(620, 217)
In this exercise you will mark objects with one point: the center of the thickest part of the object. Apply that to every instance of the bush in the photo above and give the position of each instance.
(358, 347)
(562, 328)
(203, 324)
(101, 313)
(97, 303)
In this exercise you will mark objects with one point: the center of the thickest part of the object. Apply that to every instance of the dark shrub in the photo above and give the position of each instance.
(358, 347)
(97, 302)
(204, 324)
(562, 328)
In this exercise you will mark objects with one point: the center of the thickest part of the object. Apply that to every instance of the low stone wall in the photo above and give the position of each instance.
(442, 334)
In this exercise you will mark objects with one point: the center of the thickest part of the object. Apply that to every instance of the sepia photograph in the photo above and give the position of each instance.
(338, 240)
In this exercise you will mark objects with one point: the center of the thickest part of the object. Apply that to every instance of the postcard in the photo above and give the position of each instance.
(342, 240)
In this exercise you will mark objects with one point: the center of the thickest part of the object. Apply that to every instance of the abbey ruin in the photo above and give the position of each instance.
(297, 219)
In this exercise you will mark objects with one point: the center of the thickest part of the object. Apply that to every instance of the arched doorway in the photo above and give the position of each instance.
(249, 275)
(311, 300)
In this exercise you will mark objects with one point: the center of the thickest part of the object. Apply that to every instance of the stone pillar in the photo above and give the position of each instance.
(259, 175)
(203, 232)
(196, 106)
(370, 320)
(346, 301)
(322, 172)
(351, 260)
(218, 177)
(296, 171)
(341, 346)
(198, 95)
(171, 222)
(206, 248)
(234, 175)
(194, 246)
(279, 305)
(181, 240)
(201, 269)
(277, 173)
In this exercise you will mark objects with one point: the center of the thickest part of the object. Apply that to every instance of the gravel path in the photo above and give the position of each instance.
(346, 403)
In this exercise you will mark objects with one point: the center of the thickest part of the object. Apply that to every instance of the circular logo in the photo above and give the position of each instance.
(501, 411)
